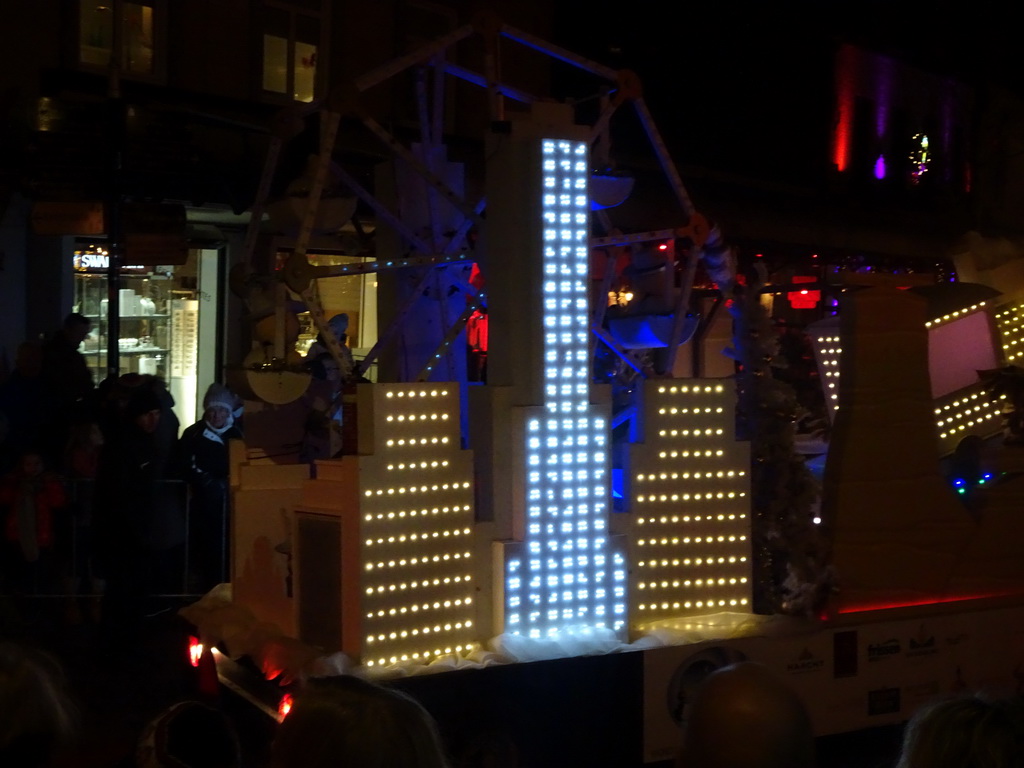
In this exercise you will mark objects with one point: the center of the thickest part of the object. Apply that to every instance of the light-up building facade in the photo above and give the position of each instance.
(401, 511)
(556, 568)
(1010, 323)
(689, 493)
(960, 344)
(417, 519)
(828, 349)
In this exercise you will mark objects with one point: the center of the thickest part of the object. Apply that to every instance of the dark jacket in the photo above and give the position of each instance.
(134, 506)
(204, 454)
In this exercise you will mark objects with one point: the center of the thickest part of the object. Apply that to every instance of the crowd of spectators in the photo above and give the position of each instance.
(98, 493)
(742, 716)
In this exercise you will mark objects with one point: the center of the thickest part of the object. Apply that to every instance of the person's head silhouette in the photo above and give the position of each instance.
(744, 716)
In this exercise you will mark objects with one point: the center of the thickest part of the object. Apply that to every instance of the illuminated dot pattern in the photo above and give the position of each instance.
(1010, 322)
(690, 502)
(967, 412)
(964, 412)
(955, 315)
(827, 351)
(566, 575)
(416, 523)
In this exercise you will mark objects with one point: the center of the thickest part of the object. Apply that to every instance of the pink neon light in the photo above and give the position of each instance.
(844, 109)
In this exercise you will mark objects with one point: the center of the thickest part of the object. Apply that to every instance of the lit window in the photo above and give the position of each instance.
(291, 48)
(121, 31)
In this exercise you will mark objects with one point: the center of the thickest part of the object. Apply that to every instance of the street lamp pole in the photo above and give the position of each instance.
(116, 118)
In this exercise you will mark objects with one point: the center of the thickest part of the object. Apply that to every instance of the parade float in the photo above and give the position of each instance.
(621, 504)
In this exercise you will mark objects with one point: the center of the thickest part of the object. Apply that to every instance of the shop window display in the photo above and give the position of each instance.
(158, 310)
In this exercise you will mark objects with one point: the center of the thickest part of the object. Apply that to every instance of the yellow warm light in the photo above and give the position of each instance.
(712, 481)
(417, 578)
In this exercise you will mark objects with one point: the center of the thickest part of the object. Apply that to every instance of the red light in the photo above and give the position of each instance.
(663, 247)
(284, 706)
(804, 299)
(914, 603)
(195, 650)
(842, 140)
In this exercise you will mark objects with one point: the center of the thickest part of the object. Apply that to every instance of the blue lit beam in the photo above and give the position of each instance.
(477, 79)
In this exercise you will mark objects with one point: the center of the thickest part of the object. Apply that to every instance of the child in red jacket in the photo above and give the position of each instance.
(29, 498)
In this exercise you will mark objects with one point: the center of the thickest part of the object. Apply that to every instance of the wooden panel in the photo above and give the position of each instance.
(318, 576)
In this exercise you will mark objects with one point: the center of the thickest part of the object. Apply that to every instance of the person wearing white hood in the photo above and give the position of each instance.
(203, 450)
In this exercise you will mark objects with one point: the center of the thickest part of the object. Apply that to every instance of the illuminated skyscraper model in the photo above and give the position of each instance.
(383, 542)
(557, 571)
(690, 501)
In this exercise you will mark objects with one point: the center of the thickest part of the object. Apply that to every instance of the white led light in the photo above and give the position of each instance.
(563, 467)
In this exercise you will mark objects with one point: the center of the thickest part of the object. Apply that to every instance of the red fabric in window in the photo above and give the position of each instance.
(476, 331)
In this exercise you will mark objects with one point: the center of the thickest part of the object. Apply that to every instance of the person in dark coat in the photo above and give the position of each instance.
(66, 381)
(127, 486)
(25, 404)
(203, 450)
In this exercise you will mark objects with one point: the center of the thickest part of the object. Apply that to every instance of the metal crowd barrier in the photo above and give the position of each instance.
(67, 570)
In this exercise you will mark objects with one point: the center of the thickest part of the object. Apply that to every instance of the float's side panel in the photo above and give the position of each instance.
(261, 507)
(850, 678)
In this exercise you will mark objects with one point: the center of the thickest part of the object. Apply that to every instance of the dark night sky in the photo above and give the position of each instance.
(721, 75)
(974, 40)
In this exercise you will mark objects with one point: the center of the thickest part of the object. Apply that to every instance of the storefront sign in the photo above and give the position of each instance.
(87, 261)
(96, 259)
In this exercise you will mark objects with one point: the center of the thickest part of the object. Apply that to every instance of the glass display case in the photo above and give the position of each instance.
(168, 320)
(158, 314)
(144, 305)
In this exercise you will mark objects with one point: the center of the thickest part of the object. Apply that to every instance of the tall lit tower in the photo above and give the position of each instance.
(546, 487)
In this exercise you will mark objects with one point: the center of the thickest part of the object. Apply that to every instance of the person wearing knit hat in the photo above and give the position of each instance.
(219, 396)
(203, 451)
